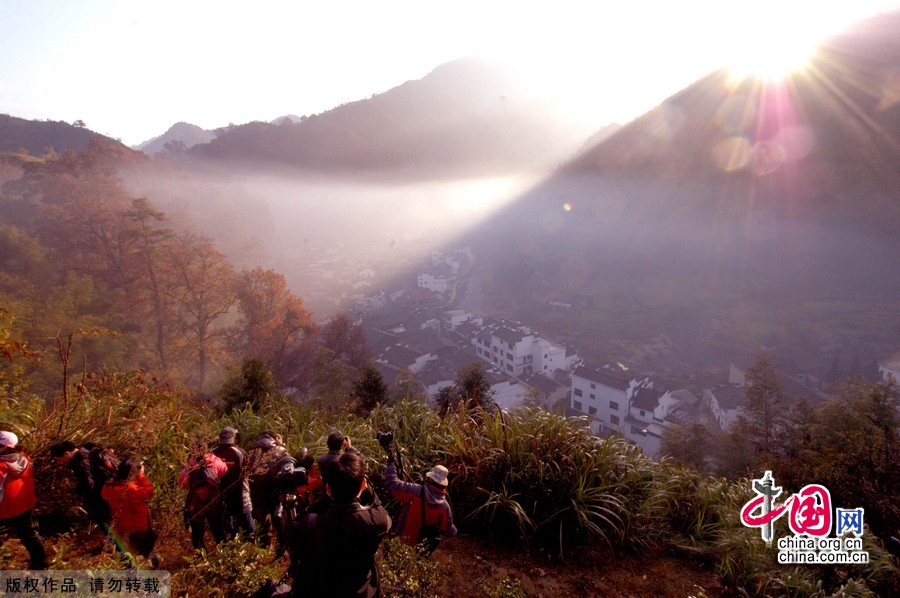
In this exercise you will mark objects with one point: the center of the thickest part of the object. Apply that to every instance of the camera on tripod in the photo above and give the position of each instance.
(385, 439)
(288, 475)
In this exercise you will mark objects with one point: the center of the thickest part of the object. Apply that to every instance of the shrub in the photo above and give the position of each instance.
(234, 568)
(405, 567)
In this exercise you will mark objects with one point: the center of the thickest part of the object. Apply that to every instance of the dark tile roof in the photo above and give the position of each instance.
(467, 330)
(646, 399)
(401, 356)
(508, 335)
(545, 384)
(437, 375)
(425, 341)
(602, 377)
(729, 396)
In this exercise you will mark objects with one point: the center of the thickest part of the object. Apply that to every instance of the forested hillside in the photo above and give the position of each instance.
(108, 282)
(41, 137)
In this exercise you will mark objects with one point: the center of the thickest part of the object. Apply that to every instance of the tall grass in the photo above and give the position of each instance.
(538, 477)
(525, 476)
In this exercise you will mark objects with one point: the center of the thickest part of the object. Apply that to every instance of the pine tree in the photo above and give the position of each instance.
(763, 416)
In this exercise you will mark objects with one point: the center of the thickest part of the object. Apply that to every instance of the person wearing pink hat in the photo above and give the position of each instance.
(17, 498)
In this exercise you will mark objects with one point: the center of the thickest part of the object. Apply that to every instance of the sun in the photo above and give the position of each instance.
(772, 57)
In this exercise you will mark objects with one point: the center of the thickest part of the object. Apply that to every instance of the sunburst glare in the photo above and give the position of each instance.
(773, 58)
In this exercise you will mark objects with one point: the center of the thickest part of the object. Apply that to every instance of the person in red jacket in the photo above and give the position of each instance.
(204, 502)
(17, 498)
(127, 494)
(436, 511)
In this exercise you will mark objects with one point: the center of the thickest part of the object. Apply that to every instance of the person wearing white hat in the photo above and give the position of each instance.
(17, 498)
(426, 513)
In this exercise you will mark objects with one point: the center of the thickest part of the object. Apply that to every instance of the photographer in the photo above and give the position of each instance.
(235, 485)
(426, 513)
(264, 454)
(337, 443)
(17, 498)
(336, 549)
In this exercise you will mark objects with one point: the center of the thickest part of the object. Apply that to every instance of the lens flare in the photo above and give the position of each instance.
(567, 207)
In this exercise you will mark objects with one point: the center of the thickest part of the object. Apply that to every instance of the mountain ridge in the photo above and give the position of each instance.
(37, 137)
(463, 117)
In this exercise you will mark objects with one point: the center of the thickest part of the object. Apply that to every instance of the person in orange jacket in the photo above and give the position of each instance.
(314, 486)
(426, 513)
(17, 498)
(127, 494)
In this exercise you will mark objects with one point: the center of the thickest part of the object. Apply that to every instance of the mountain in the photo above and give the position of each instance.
(179, 138)
(465, 117)
(37, 137)
(289, 119)
(736, 216)
(828, 131)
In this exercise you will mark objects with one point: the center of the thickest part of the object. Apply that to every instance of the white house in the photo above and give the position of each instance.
(725, 401)
(438, 284)
(648, 410)
(547, 357)
(402, 357)
(436, 378)
(453, 318)
(521, 353)
(549, 390)
(507, 349)
(890, 368)
(603, 395)
(509, 393)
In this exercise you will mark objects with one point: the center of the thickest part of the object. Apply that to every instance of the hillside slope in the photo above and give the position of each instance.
(735, 217)
(464, 117)
(37, 137)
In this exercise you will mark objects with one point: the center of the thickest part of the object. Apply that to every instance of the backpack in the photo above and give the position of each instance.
(104, 462)
(203, 487)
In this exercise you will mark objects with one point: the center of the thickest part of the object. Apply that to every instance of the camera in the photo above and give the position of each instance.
(288, 475)
(385, 439)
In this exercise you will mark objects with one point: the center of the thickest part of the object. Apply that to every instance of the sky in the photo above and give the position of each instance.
(130, 69)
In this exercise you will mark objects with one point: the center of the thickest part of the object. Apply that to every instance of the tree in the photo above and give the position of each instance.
(406, 387)
(370, 390)
(330, 381)
(851, 447)
(14, 356)
(202, 288)
(275, 326)
(347, 339)
(472, 390)
(252, 385)
(689, 443)
(762, 418)
(152, 244)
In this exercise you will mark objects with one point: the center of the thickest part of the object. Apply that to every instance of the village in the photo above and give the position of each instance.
(429, 331)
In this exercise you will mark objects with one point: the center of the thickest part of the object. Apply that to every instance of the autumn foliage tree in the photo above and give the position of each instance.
(347, 340)
(202, 290)
(275, 326)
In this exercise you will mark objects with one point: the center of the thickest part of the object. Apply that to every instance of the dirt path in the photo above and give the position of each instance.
(472, 565)
(475, 567)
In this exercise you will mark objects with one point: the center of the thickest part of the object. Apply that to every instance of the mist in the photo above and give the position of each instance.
(333, 238)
